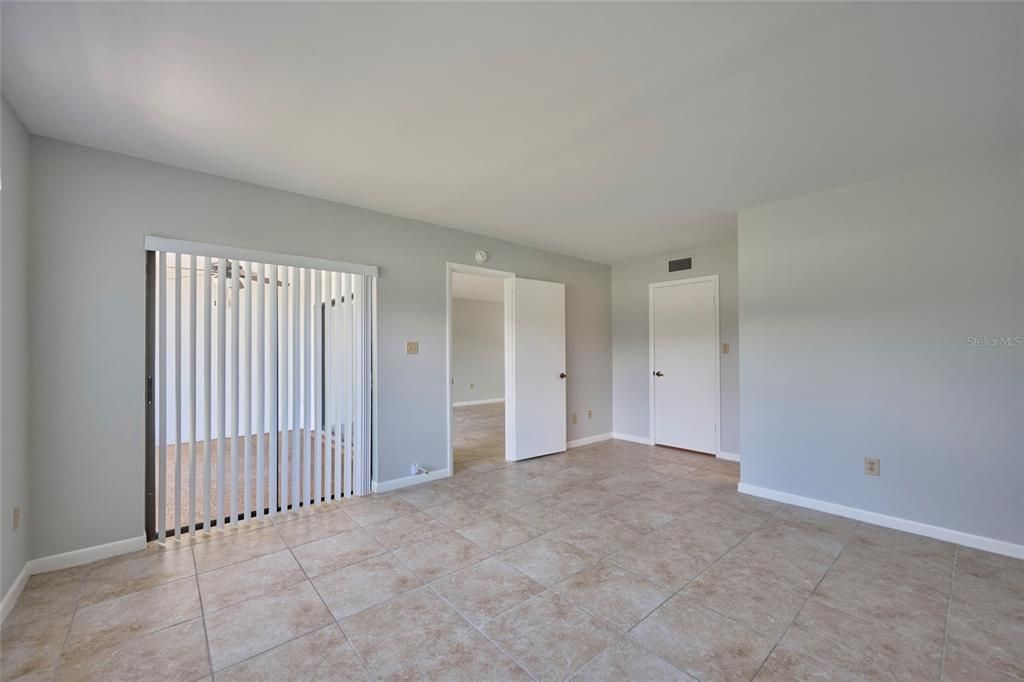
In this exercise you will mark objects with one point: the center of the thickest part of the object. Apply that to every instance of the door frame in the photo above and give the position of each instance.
(718, 354)
(450, 268)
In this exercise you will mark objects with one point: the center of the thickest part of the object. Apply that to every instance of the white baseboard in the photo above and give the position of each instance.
(77, 557)
(12, 594)
(587, 441)
(938, 532)
(396, 483)
(56, 562)
(489, 401)
(731, 456)
(633, 439)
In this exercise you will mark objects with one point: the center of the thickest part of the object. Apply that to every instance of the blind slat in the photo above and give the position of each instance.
(272, 482)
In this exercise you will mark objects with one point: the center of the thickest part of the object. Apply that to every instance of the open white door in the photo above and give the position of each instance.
(534, 368)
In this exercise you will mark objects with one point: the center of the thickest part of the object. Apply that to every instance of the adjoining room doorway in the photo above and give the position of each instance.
(534, 384)
(684, 364)
(478, 371)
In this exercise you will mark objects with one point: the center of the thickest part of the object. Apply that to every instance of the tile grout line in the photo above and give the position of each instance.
(78, 602)
(802, 606)
(202, 615)
(865, 619)
(695, 577)
(337, 623)
(213, 672)
(320, 596)
(168, 626)
(292, 639)
(67, 633)
(479, 628)
(949, 609)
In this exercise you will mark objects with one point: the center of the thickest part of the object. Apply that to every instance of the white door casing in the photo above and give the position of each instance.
(535, 380)
(684, 350)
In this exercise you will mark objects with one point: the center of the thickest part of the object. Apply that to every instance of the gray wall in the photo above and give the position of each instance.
(90, 212)
(14, 473)
(631, 343)
(857, 308)
(478, 350)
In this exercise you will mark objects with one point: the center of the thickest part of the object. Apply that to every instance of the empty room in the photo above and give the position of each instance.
(512, 341)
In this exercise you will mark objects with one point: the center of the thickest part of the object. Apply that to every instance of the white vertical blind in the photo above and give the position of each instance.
(271, 378)
(222, 401)
(161, 443)
(236, 346)
(272, 333)
(346, 362)
(335, 431)
(193, 376)
(284, 400)
(361, 392)
(317, 383)
(261, 386)
(296, 384)
(207, 386)
(247, 303)
(307, 386)
(177, 390)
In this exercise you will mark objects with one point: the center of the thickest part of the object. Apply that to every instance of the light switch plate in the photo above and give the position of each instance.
(725, 349)
(412, 347)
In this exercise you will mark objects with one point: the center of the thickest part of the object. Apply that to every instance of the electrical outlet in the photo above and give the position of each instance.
(17, 518)
(872, 466)
(412, 347)
(573, 417)
(590, 414)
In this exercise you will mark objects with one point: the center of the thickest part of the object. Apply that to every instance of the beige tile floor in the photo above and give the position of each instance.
(613, 561)
(478, 437)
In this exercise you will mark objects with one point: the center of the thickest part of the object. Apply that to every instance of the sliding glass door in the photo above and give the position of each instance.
(258, 387)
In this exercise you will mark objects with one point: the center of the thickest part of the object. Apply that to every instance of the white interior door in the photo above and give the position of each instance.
(535, 369)
(684, 364)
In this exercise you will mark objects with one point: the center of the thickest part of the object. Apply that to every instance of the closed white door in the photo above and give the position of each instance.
(535, 369)
(685, 364)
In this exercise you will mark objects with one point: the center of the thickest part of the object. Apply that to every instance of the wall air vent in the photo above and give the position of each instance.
(680, 264)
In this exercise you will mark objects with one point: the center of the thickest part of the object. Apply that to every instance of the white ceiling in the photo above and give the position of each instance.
(477, 288)
(605, 131)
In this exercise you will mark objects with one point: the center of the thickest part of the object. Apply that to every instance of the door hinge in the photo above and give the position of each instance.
(149, 390)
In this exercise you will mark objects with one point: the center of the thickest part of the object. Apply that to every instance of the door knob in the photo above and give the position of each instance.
(658, 374)
(562, 375)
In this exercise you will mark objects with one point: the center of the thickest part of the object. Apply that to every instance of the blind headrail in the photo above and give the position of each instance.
(153, 243)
